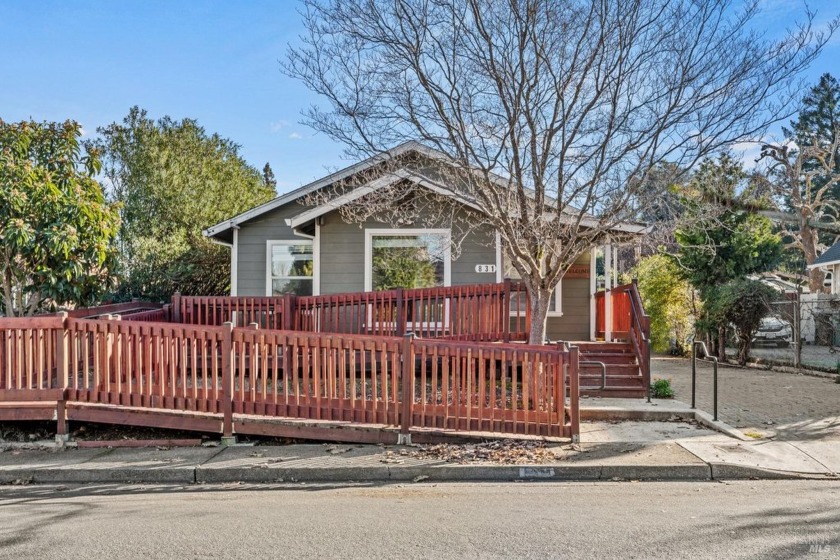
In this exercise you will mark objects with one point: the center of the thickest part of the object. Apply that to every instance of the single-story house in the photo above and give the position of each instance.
(830, 262)
(287, 245)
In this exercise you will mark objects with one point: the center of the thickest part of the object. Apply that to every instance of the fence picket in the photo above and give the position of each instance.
(464, 383)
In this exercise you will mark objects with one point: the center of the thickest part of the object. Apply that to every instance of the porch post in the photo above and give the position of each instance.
(608, 285)
(593, 286)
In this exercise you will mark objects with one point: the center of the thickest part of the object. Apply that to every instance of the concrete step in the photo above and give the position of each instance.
(614, 392)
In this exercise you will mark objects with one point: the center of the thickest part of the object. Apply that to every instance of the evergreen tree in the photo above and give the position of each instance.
(268, 177)
(172, 180)
(724, 240)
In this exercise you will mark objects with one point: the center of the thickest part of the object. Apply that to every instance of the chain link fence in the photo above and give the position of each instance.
(801, 329)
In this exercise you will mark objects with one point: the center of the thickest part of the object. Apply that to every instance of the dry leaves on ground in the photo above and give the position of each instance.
(508, 452)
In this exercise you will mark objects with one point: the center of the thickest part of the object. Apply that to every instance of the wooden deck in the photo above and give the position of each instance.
(189, 372)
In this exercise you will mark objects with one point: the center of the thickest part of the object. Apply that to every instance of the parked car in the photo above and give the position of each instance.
(773, 331)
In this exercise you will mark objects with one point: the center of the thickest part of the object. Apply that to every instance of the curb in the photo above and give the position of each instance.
(386, 474)
(707, 420)
(663, 415)
(728, 471)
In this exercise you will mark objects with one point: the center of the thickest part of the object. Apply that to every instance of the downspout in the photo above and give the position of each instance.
(234, 257)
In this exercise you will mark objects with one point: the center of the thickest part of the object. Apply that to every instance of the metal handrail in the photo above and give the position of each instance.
(603, 367)
(714, 360)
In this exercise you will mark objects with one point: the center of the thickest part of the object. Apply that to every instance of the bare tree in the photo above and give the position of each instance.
(802, 178)
(550, 112)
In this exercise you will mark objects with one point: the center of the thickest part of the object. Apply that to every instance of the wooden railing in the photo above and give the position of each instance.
(149, 365)
(123, 309)
(510, 388)
(29, 358)
(476, 312)
(216, 372)
(162, 315)
(629, 321)
(267, 312)
(620, 303)
(314, 376)
(499, 388)
(639, 333)
(473, 312)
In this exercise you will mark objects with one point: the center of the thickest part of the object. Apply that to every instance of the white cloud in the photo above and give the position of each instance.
(295, 136)
(750, 152)
(277, 126)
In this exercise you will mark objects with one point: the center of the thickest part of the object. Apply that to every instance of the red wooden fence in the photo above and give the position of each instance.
(508, 388)
(620, 303)
(629, 322)
(477, 312)
(124, 309)
(268, 312)
(28, 355)
(141, 364)
(215, 372)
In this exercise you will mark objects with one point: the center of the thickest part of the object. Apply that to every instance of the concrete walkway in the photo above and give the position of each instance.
(665, 447)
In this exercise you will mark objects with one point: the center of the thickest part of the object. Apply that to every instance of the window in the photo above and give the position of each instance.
(290, 267)
(406, 259)
(555, 305)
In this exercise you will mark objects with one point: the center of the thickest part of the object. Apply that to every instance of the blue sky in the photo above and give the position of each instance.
(214, 61)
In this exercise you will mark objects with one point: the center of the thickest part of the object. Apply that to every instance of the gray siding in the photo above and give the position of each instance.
(574, 323)
(343, 255)
(253, 235)
(342, 248)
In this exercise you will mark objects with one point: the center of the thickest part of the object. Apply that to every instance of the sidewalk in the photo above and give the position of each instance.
(661, 449)
(768, 403)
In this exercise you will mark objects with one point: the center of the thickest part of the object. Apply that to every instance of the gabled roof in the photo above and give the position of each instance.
(382, 182)
(219, 230)
(291, 196)
(831, 256)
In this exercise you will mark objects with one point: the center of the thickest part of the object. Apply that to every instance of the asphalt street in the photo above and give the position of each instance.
(748, 519)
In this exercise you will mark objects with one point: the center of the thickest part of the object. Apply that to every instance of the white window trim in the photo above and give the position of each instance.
(316, 256)
(370, 233)
(500, 276)
(500, 273)
(447, 268)
(558, 300)
(298, 241)
(234, 264)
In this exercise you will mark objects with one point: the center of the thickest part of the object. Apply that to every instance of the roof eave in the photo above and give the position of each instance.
(217, 229)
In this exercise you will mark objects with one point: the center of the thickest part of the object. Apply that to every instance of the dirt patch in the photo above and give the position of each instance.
(30, 432)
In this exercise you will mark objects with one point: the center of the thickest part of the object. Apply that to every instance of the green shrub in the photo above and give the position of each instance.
(661, 389)
(668, 300)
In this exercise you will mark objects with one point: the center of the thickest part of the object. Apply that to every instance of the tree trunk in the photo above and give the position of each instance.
(722, 344)
(539, 301)
(809, 247)
(743, 349)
